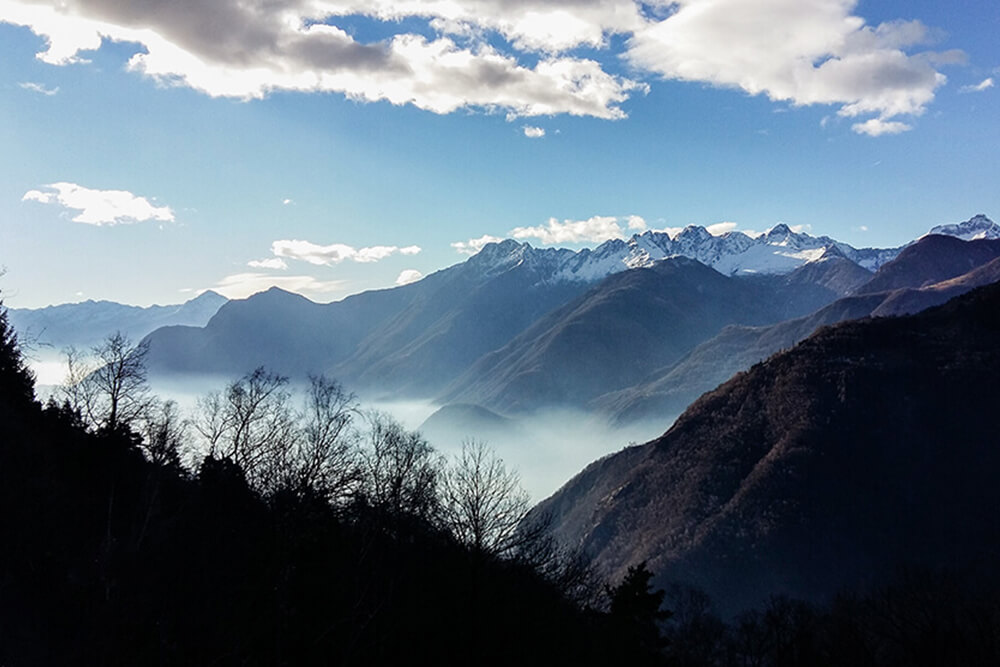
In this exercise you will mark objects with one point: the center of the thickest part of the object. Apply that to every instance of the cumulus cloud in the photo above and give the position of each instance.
(985, 84)
(100, 207)
(271, 263)
(335, 253)
(876, 127)
(533, 132)
(798, 51)
(472, 246)
(408, 276)
(231, 48)
(39, 88)
(242, 285)
(594, 230)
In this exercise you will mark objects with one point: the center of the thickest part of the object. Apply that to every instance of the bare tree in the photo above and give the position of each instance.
(325, 456)
(484, 504)
(400, 471)
(110, 390)
(250, 423)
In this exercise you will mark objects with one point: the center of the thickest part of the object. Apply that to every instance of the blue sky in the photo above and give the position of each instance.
(153, 151)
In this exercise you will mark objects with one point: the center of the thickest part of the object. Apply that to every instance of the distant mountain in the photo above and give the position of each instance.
(87, 323)
(407, 340)
(904, 290)
(869, 447)
(617, 332)
(976, 227)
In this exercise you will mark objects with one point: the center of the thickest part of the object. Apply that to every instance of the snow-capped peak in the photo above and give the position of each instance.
(780, 250)
(976, 227)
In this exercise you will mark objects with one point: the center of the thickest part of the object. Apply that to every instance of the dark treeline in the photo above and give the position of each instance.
(114, 553)
(930, 618)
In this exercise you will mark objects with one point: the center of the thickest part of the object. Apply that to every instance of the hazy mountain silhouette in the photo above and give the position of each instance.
(85, 324)
(411, 338)
(869, 446)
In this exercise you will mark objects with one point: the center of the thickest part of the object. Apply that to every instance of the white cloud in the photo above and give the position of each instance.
(100, 207)
(985, 84)
(800, 51)
(876, 127)
(720, 228)
(271, 263)
(533, 132)
(636, 223)
(594, 230)
(39, 88)
(336, 253)
(408, 276)
(242, 285)
(472, 246)
(231, 48)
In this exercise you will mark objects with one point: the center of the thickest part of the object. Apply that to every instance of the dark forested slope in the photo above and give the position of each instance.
(871, 445)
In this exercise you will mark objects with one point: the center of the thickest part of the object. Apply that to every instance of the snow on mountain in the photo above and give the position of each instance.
(976, 227)
(779, 251)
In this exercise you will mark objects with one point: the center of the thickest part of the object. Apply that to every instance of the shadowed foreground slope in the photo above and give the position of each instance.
(869, 446)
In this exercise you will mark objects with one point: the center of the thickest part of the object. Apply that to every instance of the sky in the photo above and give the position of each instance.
(152, 150)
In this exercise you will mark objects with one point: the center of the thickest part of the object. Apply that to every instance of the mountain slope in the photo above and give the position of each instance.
(669, 390)
(867, 447)
(930, 260)
(613, 335)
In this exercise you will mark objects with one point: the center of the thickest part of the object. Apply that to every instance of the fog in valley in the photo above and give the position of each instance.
(546, 449)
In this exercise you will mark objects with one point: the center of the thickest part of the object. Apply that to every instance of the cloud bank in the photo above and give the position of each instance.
(335, 253)
(520, 57)
(100, 207)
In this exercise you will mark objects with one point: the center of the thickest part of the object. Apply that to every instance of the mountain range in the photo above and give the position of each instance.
(425, 339)
(516, 328)
(926, 273)
(85, 324)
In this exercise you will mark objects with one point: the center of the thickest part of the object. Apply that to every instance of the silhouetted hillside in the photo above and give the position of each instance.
(867, 447)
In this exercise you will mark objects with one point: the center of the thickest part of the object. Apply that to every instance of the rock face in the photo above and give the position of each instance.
(870, 446)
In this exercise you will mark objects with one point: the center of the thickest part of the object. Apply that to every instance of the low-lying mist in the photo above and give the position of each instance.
(546, 449)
